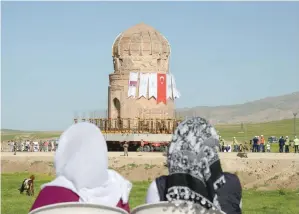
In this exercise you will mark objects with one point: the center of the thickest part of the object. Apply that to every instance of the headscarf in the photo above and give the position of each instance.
(194, 167)
(81, 164)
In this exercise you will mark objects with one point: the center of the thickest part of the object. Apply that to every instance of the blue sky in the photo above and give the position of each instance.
(56, 56)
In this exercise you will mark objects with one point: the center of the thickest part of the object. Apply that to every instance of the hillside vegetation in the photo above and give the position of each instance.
(241, 132)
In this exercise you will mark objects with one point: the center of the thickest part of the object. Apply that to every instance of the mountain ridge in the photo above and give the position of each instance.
(262, 110)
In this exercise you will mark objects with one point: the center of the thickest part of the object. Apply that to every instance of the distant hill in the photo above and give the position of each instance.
(10, 131)
(264, 110)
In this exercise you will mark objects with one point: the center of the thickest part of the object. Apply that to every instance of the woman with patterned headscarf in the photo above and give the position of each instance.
(195, 173)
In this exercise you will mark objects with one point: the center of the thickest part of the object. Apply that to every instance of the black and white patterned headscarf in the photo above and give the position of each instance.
(194, 167)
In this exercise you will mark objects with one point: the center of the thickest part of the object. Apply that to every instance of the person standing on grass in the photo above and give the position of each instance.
(27, 146)
(52, 146)
(82, 174)
(281, 144)
(287, 145)
(268, 147)
(255, 143)
(31, 146)
(262, 143)
(40, 146)
(235, 144)
(195, 173)
(296, 144)
(222, 142)
(14, 148)
(9, 146)
(258, 144)
(46, 146)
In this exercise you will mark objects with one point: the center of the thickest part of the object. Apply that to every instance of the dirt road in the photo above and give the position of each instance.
(259, 170)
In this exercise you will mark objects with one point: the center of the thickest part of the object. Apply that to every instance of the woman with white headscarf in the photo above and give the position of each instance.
(81, 163)
(195, 173)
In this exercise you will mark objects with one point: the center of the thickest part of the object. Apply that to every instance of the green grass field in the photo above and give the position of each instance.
(10, 135)
(254, 202)
(275, 128)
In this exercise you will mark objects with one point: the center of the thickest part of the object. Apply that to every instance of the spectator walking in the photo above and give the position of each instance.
(126, 148)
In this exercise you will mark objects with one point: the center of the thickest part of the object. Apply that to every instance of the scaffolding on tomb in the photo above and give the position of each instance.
(145, 123)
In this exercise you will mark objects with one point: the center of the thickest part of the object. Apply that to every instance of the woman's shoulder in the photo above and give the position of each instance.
(230, 194)
(232, 179)
(156, 190)
(58, 190)
(54, 195)
(124, 206)
(161, 179)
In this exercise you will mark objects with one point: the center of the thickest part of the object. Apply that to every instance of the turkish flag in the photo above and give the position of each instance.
(161, 94)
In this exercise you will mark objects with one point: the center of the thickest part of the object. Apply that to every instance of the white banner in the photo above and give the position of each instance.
(176, 93)
(152, 88)
(169, 87)
(132, 84)
(143, 85)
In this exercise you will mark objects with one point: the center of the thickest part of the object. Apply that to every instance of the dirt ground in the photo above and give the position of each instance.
(262, 171)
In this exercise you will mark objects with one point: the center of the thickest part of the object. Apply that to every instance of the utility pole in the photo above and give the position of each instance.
(295, 114)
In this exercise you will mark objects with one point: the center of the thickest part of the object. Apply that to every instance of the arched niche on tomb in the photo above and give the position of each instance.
(117, 108)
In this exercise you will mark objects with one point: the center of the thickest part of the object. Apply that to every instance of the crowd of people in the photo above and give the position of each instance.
(195, 174)
(32, 146)
(259, 144)
(285, 144)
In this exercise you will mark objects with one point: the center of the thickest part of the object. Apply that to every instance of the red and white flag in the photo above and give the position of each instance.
(161, 87)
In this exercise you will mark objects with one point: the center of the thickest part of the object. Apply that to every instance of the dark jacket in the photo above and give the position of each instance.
(255, 141)
(281, 142)
(229, 195)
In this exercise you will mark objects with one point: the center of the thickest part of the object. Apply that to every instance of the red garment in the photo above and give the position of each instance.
(55, 195)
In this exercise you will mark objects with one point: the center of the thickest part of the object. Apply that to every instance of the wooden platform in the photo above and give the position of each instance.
(120, 137)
